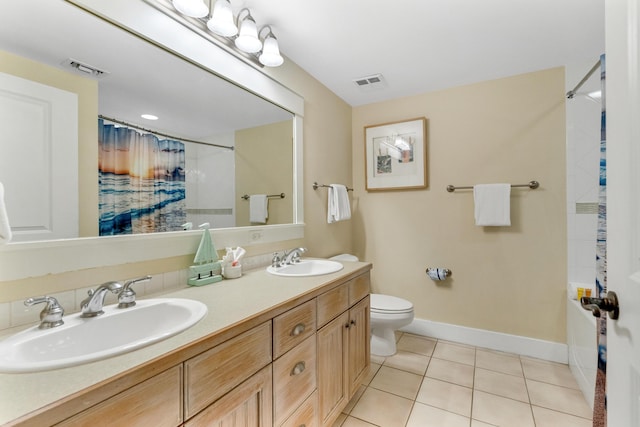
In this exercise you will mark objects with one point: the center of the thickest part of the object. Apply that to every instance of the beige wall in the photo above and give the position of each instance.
(505, 279)
(264, 165)
(87, 91)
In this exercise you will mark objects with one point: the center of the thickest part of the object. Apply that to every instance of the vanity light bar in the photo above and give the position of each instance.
(84, 67)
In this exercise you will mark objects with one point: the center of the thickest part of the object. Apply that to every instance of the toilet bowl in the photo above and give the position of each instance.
(387, 314)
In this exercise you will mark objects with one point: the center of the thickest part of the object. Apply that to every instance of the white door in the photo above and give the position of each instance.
(39, 159)
(622, 23)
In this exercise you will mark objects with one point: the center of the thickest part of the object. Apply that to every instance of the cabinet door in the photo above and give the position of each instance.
(154, 402)
(333, 387)
(248, 405)
(359, 347)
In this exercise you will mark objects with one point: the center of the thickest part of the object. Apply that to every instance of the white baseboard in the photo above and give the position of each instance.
(532, 347)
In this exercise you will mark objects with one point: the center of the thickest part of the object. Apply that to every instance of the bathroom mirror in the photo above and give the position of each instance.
(134, 77)
(142, 19)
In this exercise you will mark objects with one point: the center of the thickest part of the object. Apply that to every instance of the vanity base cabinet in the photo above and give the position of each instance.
(155, 402)
(343, 348)
(247, 405)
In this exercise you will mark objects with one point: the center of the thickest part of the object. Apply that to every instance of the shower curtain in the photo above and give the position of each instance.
(141, 182)
(600, 400)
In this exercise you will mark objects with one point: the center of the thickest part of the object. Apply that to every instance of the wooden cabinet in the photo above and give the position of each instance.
(296, 367)
(154, 402)
(343, 350)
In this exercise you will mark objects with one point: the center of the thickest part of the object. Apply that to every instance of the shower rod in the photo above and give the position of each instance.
(593, 69)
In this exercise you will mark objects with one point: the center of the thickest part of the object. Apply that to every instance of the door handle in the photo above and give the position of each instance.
(608, 304)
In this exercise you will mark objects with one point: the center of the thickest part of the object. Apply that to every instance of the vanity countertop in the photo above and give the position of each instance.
(230, 303)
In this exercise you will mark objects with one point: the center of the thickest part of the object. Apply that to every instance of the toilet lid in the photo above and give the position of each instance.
(389, 304)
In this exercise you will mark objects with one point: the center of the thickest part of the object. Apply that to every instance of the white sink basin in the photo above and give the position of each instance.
(81, 340)
(307, 267)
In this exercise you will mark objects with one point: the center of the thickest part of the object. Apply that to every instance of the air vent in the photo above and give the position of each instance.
(374, 81)
(84, 68)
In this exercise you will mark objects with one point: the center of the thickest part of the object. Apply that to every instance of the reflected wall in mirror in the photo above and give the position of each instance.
(58, 46)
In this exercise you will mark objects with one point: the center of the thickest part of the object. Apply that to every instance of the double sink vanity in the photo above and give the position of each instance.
(270, 350)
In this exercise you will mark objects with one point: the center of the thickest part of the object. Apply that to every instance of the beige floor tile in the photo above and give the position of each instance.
(398, 382)
(377, 359)
(558, 398)
(417, 344)
(455, 353)
(373, 370)
(504, 385)
(476, 423)
(453, 372)
(499, 362)
(354, 399)
(459, 344)
(383, 409)
(549, 372)
(548, 418)
(398, 335)
(354, 422)
(410, 362)
(443, 395)
(501, 411)
(428, 416)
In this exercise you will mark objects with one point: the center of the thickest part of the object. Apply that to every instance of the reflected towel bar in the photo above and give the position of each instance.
(532, 185)
(316, 186)
(269, 196)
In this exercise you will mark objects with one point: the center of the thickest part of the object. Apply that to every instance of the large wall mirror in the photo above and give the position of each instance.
(241, 131)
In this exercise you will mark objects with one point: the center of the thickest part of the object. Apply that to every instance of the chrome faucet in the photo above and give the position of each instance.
(92, 306)
(293, 256)
(127, 297)
(51, 315)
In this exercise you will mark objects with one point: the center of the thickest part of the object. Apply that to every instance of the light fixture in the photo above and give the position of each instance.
(192, 8)
(270, 55)
(149, 117)
(241, 37)
(247, 40)
(221, 21)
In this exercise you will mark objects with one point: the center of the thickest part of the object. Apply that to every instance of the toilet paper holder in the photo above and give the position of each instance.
(438, 273)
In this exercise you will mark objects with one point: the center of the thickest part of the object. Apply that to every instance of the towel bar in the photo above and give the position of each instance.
(270, 196)
(316, 186)
(532, 185)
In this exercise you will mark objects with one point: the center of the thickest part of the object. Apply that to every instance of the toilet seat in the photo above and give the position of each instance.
(388, 304)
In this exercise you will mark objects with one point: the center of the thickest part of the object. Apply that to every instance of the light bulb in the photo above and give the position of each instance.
(270, 56)
(248, 40)
(221, 21)
(192, 8)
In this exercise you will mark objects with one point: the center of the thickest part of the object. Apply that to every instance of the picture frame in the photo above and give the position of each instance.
(396, 155)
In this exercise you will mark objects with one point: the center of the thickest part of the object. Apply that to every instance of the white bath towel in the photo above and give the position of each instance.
(492, 204)
(5, 229)
(338, 207)
(258, 208)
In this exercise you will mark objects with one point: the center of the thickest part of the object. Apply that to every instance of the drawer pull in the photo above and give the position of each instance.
(298, 369)
(298, 329)
(302, 425)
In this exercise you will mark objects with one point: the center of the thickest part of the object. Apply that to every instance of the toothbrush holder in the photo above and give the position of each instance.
(232, 272)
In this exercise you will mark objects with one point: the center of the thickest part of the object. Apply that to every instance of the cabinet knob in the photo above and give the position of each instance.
(298, 368)
(298, 329)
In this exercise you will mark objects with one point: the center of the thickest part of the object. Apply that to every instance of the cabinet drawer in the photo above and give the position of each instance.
(293, 327)
(294, 378)
(215, 372)
(359, 288)
(305, 415)
(154, 402)
(332, 303)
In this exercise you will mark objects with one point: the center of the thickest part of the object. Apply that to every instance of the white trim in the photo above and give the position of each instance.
(525, 346)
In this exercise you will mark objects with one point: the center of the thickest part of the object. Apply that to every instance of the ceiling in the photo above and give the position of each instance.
(426, 45)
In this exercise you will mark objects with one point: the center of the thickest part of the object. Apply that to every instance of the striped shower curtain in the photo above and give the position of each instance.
(600, 401)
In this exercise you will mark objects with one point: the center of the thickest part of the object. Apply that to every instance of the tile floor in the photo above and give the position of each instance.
(435, 383)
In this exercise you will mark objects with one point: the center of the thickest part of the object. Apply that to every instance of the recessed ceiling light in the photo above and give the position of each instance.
(149, 117)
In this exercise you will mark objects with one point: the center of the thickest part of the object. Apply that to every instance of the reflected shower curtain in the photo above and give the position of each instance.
(142, 185)
(600, 400)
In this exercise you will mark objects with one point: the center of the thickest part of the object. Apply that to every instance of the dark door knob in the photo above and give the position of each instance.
(608, 304)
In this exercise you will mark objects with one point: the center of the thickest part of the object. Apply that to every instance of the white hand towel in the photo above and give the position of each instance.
(5, 229)
(492, 204)
(338, 207)
(258, 208)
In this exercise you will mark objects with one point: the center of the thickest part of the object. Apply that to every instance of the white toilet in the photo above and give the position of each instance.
(388, 314)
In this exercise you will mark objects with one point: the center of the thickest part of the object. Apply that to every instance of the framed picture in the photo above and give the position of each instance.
(396, 155)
